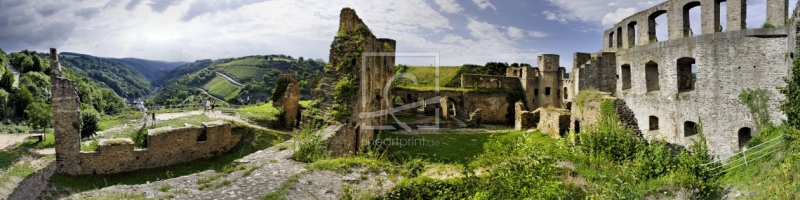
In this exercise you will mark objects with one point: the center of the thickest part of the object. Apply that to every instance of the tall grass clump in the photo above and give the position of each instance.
(309, 146)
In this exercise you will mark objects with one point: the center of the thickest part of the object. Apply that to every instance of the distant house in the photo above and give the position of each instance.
(244, 98)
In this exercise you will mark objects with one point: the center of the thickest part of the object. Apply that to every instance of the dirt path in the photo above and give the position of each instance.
(8, 140)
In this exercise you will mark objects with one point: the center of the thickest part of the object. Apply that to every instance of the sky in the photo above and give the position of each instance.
(458, 31)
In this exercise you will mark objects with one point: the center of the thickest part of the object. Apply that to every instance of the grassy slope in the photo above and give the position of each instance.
(242, 72)
(221, 87)
(426, 76)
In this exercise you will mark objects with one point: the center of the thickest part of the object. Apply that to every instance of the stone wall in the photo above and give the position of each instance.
(490, 82)
(496, 106)
(597, 73)
(356, 54)
(166, 146)
(524, 119)
(553, 122)
(626, 117)
(640, 28)
(66, 115)
(289, 101)
(654, 78)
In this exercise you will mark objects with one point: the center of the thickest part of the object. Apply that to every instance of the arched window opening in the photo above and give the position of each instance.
(686, 75)
(651, 76)
(626, 76)
(691, 19)
(657, 27)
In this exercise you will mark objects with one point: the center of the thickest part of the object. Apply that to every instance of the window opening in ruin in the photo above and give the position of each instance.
(653, 123)
(568, 106)
(753, 21)
(202, 137)
(611, 39)
(691, 19)
(626, 76)
(722, 6)
(651, 76)
(619, 37)
(558, 93)
(577, 128)
(535, 92)
(547, 91)
(689, 129)
(565, 92)
(657, 27)
(686, 78)
(632, 39)
(515, 72)
(745, 134)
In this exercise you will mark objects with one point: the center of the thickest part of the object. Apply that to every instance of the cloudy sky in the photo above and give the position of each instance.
(460, 31)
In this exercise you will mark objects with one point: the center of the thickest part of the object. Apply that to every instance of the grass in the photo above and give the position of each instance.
(263, 114)
(34, 143)
(242, 72)
(221, 87)
(124, 117)
(346, 165)
(413, 118)
(305, 103)
(426, 76)
(253, 140)
(252, 61)
(452, 148)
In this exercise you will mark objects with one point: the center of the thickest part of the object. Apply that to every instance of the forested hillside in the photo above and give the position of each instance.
(153, 70)
(126, 81)
(257, 74)
(29, 103)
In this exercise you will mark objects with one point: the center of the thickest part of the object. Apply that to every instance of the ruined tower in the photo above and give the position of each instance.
(66, 118)
(550, 81)
(353, 90)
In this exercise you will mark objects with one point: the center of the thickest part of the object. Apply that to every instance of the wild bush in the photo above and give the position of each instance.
(309, 146)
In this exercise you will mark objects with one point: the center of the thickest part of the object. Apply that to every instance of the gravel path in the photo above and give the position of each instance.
(7, 141)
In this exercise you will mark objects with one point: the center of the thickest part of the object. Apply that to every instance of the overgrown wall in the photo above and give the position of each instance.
(166, 146)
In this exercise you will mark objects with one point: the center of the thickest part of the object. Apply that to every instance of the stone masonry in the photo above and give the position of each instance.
(289, 101)
(356, 54)
(653, 78)
(66, 115)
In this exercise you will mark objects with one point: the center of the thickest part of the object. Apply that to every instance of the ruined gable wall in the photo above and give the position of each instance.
(166, 146)
(66, 112)
(363, 64)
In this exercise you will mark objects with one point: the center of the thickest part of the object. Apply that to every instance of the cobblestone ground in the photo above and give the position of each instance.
(272, 166)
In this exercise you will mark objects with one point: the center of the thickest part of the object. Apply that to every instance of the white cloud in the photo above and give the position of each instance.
(615, 17)
(449, 6)
(550, 15)
(537, 34)
(515, 32)
(483, 4)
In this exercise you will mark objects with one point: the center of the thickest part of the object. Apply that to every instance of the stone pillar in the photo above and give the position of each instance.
(777, 11)
(675, 21)
(66, 119)
(737, 15)
(709, 16)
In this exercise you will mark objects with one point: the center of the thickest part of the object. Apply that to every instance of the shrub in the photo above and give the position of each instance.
(654, 160)
(767, 25)
(608, 138)
(140, 138)
(756, 100)
(791, 105)
(89, 123)
(309, 146)
(704, 177)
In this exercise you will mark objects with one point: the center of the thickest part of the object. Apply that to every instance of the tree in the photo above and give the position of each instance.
(791, 105)
(7, 80)
(3, 103)
(40, 115)
(89, 122)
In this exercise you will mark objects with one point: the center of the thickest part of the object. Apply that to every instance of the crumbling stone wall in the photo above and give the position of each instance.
(352, 91)
(166, 146)
(289, 100)
(66, 115)
(727, 61)
(490, 82)
(524, 119)
(598, 72)
(496, 106)
(553, 121)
